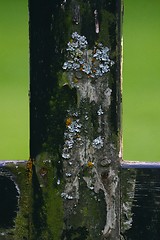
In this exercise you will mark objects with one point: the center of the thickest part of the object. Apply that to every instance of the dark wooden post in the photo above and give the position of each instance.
(75, 95)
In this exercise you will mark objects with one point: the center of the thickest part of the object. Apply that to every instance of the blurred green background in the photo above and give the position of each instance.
(14, 80)
(141, 80)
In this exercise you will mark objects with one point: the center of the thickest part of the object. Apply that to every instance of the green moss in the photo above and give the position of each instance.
(51, 194)
(62, 79)
(23, 227)
(54, 207)
(107, 19)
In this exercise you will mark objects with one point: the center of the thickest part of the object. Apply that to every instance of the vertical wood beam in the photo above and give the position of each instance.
(75, 119)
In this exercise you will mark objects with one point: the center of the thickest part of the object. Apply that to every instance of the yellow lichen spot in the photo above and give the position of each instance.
(78, 136)
(29, 169)
(68, 122)
(29, 165)
(90, 164)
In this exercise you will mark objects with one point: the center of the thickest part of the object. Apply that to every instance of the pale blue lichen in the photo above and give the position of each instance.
(79, 42)
(66, 196)
(58, 182)
(71, 136)
(74, 127)
(65, 154)
(68, 174)
(98, 142)
(93, 63)
(100, 111)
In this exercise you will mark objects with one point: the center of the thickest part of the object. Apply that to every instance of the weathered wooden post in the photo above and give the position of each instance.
(70, 188)
(75, 102)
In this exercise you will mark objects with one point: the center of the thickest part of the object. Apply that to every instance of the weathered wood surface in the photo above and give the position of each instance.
(75, 95)
(140, 194)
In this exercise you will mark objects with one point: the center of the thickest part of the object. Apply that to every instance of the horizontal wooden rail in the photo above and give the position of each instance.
(5, 162)
(136, 164)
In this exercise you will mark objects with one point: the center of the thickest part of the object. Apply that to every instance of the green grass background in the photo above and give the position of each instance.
(14, 80)
(141, 80)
